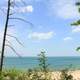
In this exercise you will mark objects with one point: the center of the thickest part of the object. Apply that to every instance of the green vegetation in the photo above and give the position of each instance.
(41, 72)
(77, 23)
(43, 65)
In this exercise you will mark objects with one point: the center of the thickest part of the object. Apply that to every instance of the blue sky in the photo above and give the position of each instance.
(51, 28)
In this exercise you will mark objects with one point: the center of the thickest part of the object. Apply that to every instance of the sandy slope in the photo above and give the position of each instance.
(75, 74)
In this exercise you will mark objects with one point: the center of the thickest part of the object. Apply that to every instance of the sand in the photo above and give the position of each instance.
(55, 75)
(75, 74)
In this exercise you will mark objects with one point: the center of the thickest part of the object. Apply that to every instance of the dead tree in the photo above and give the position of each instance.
(5, 32)
(4, 36)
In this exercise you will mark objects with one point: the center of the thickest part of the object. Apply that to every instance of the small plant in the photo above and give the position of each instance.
(43, 65)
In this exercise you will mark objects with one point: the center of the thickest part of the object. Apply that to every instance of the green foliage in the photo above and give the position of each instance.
(78, 49)
(43, 62)
(1, 77)
(77, 4)
(77, 23)
(44, 66)
(39, 73)
(12, 74)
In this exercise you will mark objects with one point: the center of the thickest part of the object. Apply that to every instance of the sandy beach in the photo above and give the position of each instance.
(75, 74)
(55, 75)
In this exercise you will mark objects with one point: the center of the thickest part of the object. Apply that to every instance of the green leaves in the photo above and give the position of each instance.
(43, 62)
(77, 23)
(77, 4)
(78, 49)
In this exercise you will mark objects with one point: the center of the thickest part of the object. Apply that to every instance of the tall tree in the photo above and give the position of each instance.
(4, 36)
(11, 3)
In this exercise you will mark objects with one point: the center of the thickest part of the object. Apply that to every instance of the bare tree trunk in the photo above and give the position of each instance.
(4, 36)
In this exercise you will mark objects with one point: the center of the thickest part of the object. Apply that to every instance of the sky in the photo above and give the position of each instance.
(48, 27)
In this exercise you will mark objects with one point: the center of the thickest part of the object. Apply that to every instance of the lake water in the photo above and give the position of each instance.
(30, 62)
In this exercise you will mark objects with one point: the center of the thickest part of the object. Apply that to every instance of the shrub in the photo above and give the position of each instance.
(43, 65)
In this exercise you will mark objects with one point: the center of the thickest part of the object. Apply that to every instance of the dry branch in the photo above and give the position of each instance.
(16, 39)
(13, 50)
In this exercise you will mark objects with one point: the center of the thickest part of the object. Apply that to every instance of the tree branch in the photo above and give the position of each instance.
(10, 25)
(16, 39)
(20, 19)
(24, 2)
(13, 50)
(9, 42)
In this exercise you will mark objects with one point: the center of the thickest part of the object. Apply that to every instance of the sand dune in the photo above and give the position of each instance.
(75, 74)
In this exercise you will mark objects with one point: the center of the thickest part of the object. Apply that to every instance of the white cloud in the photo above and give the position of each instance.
(67, 38)
(64, 9)
(15, 0)
(24, 9)
(75, 29)
(28, 9)
(68, 11)
(41, 36)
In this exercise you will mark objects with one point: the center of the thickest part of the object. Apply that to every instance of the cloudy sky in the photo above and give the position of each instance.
(51, 29)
